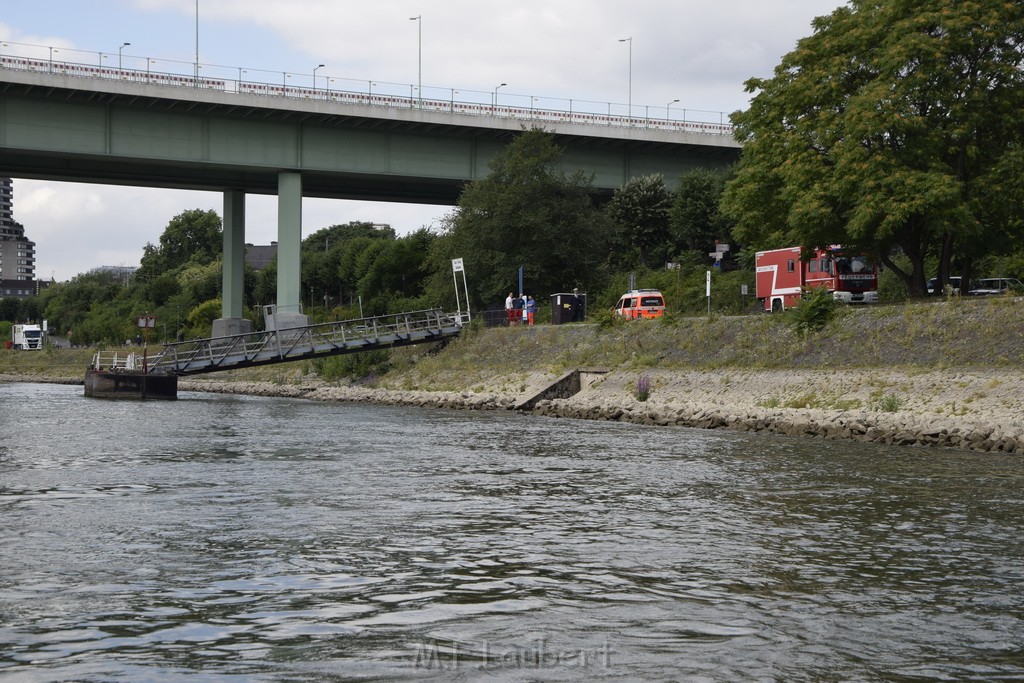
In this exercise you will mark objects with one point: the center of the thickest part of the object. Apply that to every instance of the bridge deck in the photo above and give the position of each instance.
(325, 339)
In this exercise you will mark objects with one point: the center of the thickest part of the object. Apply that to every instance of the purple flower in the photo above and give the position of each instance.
(643, 388)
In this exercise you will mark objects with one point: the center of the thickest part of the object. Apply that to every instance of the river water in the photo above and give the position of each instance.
(223, 538)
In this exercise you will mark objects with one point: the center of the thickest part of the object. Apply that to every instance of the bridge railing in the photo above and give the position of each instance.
(275, 345)
(66, 62)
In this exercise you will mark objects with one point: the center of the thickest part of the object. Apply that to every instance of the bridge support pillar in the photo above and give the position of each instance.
(289, 248)
(233, 277)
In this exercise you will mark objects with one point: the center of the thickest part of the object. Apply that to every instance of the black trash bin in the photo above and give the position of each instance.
(562, 308)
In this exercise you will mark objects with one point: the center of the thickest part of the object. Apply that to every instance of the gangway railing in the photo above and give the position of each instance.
(112, 360)
(324, 339)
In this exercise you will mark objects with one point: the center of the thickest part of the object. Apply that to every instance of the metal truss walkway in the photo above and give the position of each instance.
(315, 341)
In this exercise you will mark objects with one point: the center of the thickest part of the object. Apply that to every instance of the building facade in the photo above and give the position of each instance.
(17, 252)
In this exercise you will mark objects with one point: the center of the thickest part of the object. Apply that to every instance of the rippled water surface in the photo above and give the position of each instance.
(223, 538)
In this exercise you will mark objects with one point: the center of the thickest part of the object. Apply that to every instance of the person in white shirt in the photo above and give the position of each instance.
(510, 310)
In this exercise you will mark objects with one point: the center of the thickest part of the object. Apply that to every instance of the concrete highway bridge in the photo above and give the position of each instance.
(68, 116)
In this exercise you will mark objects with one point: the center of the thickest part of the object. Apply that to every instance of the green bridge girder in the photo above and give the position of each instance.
(58, 127)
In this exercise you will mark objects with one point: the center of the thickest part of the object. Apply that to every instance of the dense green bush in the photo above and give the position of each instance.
(355, 366)
(816, 310)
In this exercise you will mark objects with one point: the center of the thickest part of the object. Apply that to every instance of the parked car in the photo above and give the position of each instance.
(954, 281)
(995, 285)
(641, 303)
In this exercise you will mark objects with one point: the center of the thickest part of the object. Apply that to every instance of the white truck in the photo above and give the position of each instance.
(27, 337)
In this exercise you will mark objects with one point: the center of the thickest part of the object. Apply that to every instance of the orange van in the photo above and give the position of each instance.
(641, 303)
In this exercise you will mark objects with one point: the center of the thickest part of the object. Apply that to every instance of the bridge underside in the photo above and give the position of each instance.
(139, 173)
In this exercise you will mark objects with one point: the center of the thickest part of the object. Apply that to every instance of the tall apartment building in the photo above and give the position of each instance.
(17, 253)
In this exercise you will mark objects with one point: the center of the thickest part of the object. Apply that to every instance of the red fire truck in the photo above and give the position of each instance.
(782, 274)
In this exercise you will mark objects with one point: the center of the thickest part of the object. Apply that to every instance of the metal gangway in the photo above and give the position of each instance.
(313, 341)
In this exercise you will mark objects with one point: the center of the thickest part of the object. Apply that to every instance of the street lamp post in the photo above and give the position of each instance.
(123, 46)
(630, 41)
(502, 85)
(318, 66)
(197, 44)
(667, 106)
(419, 21)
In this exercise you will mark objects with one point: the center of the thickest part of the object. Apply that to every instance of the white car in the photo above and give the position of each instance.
(995, 285)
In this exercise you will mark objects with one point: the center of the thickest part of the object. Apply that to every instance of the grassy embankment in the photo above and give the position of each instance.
(961, 333)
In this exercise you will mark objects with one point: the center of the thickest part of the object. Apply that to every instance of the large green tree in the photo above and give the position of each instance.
(640, 210)
(68, 304)
(191, 236)
(897, 124)
(325, 250)
(697, 220)
(527, 213)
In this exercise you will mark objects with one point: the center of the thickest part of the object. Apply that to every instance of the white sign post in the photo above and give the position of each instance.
(708, 288)
(457, 267)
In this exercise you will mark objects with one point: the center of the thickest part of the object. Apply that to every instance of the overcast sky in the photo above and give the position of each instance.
(696, 51)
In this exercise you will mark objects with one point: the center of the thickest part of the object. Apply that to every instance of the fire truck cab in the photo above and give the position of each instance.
(783, 274)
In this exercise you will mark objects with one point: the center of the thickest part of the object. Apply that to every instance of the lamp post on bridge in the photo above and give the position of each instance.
(419, 21)
(197, 45)
(123, 46)
(318, 66)
(667, 106)
(630, 92)
(500, 85)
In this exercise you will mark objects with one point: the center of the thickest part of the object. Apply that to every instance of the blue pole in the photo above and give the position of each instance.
(520, 280)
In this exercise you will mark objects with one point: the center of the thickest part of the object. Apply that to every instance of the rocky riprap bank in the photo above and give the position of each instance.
(904, 429)
(863, 427)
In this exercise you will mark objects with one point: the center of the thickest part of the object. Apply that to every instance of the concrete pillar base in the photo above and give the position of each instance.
(283, 320)
(227, 327)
